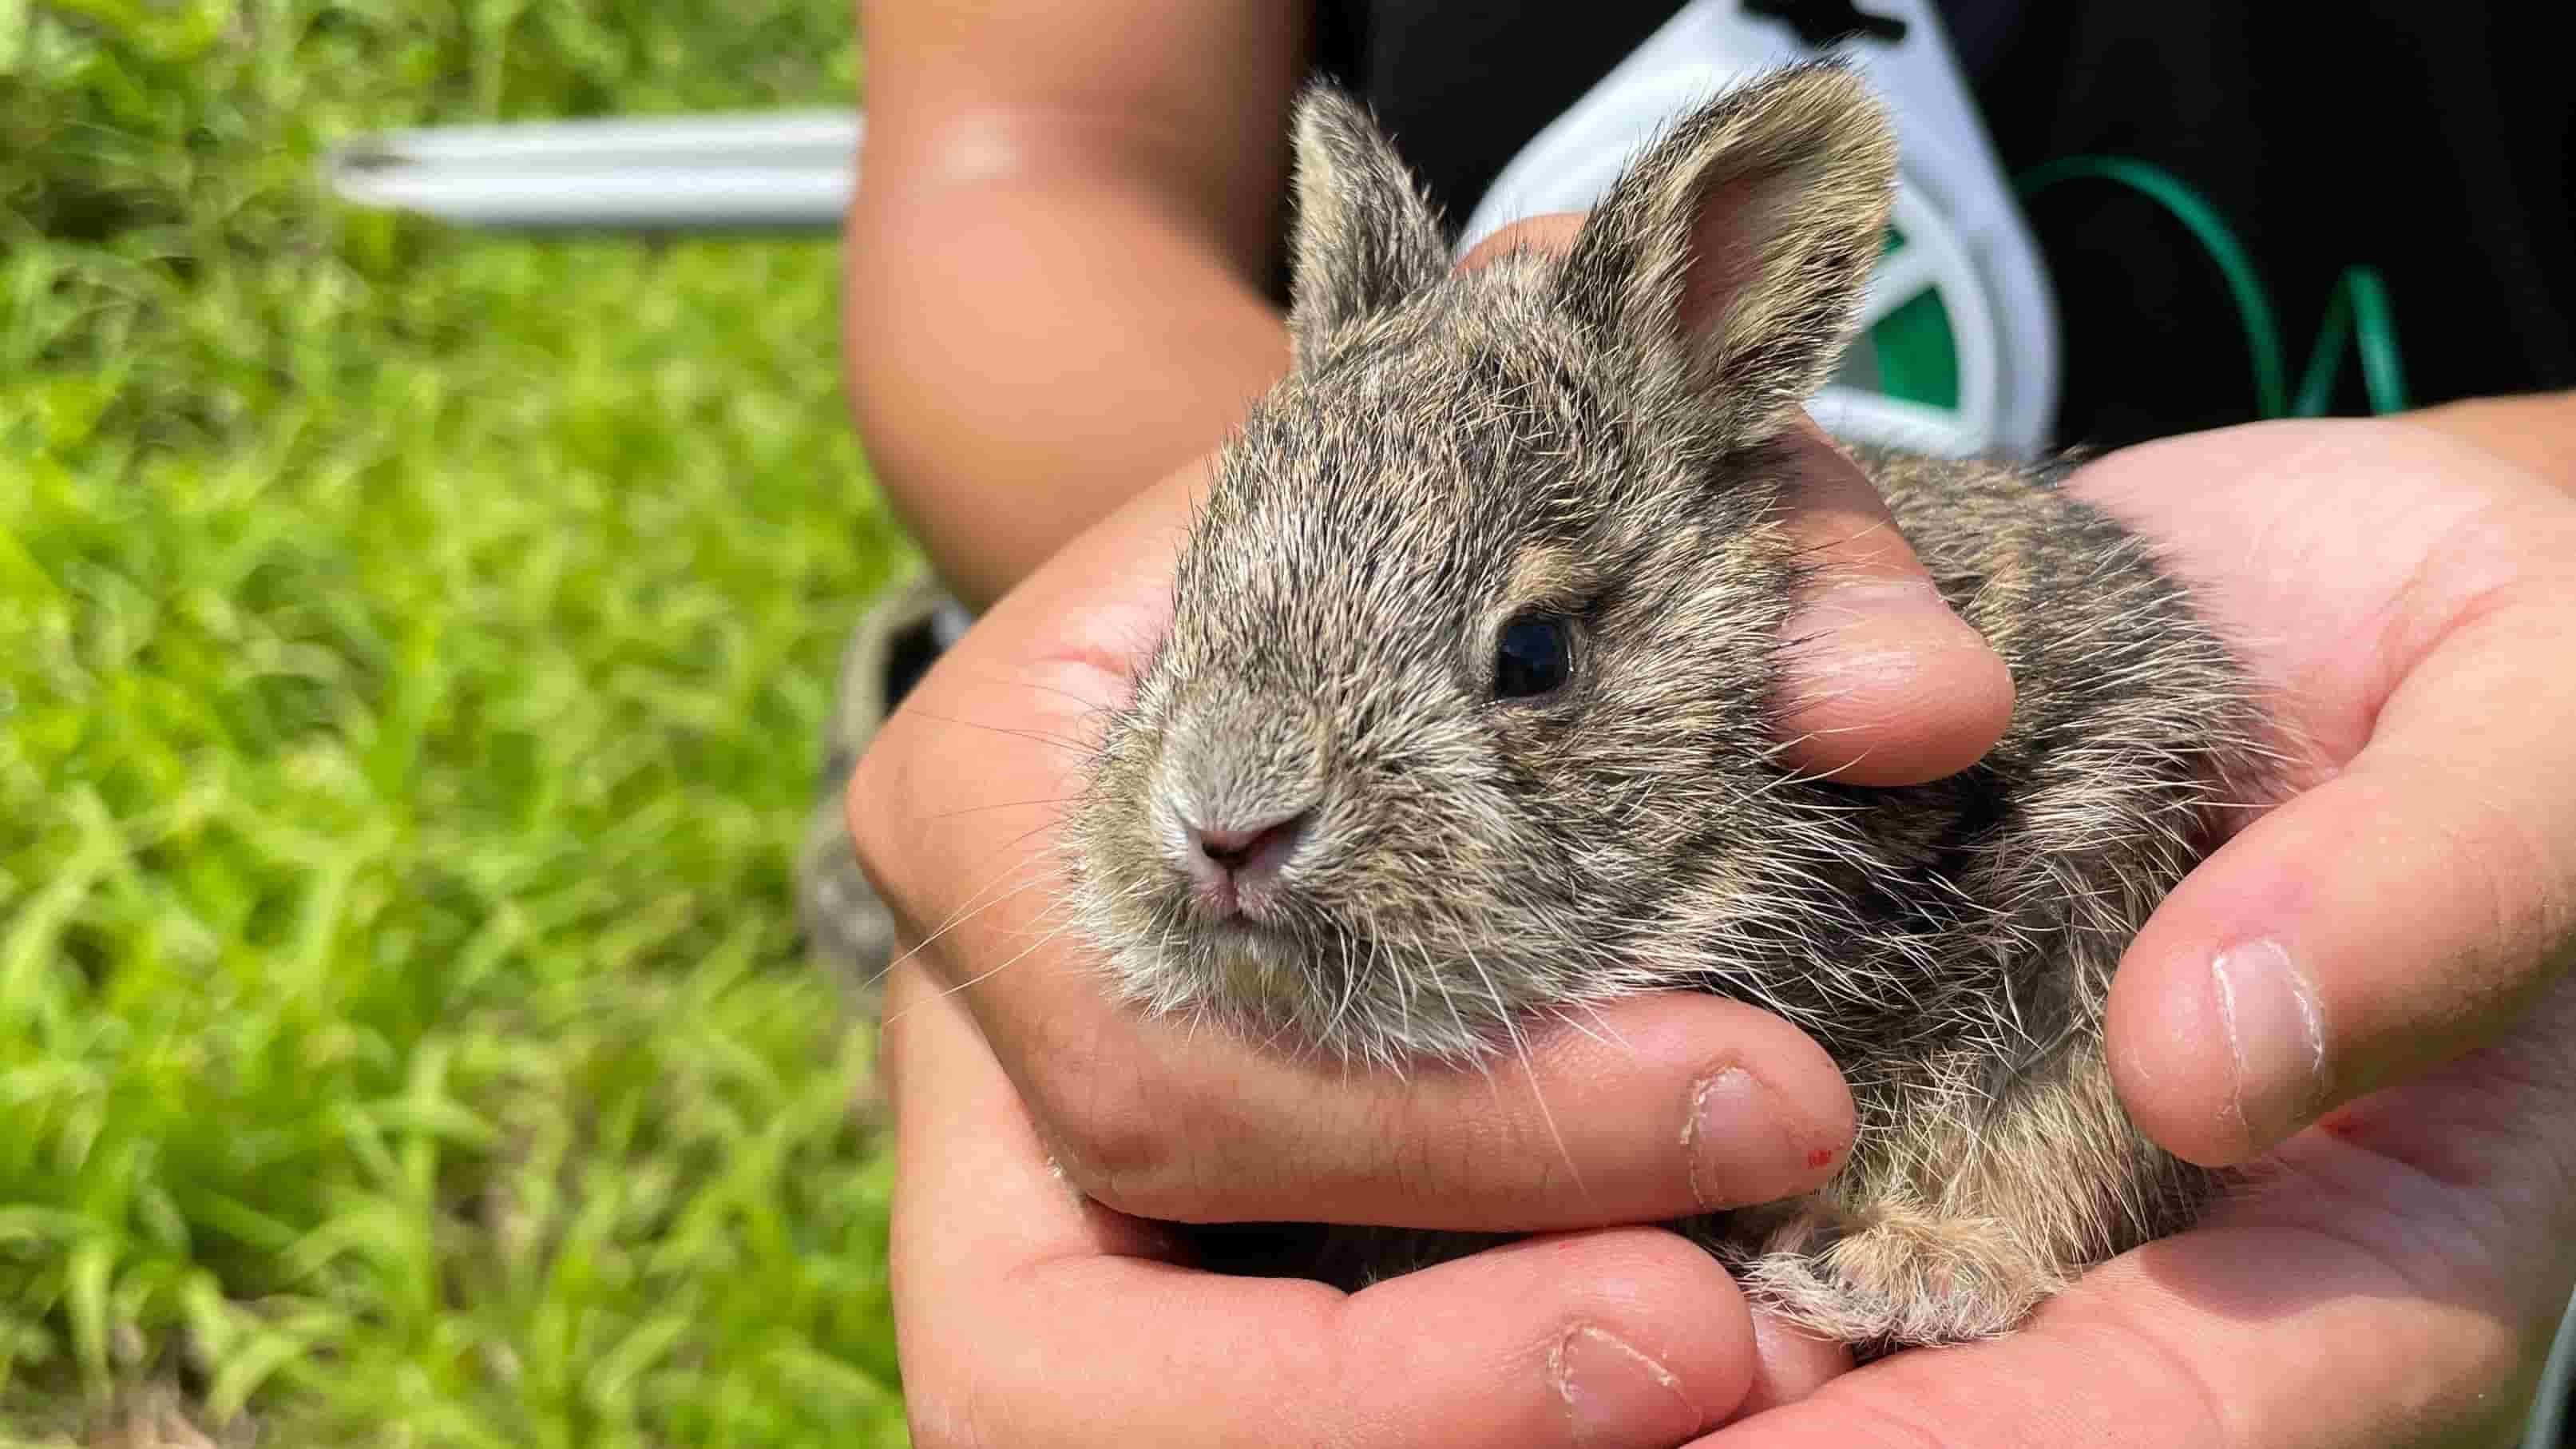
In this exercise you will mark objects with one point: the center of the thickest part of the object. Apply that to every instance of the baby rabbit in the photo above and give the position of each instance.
(1464, 719)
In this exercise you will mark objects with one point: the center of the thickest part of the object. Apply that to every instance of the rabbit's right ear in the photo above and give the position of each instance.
(1365, 238)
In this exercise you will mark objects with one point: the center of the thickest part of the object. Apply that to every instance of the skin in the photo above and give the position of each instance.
(1093, 320)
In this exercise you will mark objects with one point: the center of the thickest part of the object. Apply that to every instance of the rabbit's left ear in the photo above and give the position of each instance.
(1737, 248)
(1365, 238)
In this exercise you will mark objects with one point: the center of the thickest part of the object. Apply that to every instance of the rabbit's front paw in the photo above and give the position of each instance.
(1899, 1279)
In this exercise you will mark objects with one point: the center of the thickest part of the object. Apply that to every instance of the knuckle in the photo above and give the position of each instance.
(1107, 1140)
(874, 804)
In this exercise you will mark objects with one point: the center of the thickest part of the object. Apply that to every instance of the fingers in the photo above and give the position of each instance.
(1027, 1315)
(2390, 1282)
(1657, 1108)
(1886, 685)
(2393, 917)
(2391, 1275)
(2406, 909)
(2386, 921)
(2207, 1341)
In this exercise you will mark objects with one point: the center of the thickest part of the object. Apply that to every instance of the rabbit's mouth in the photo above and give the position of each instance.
(1263, 972)
(1275, 923)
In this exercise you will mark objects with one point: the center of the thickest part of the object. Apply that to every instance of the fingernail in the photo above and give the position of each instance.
(1615, 1395)
(1746, 1145)
(2276, 1039)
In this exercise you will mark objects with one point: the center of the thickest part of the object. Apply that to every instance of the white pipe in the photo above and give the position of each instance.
(790, 170)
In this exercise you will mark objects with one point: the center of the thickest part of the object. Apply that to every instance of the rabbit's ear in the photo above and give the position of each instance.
(1365, 238)
(1738, 246)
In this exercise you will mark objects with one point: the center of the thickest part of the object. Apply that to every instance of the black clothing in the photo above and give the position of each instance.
(2431, 142)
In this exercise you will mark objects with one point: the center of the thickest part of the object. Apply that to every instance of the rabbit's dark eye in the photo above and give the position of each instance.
(1533, 657)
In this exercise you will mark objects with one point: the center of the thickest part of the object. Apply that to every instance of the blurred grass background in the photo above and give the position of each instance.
(412, 649)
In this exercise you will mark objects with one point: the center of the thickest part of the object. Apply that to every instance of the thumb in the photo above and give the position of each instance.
(1885, 684)
(2394, 917)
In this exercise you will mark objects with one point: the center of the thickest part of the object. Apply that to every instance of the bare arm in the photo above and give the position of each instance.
(1057, 255)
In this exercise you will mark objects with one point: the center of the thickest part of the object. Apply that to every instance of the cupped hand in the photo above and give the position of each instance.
(1039, 1127)
(2409, 603)
(2389, 1280)
(1657, 1109)
(1028, 1314)
(1666, 1108)
(1035, 1116)
(2388, 948)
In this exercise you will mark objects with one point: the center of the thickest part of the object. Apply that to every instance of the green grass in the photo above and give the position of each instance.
(412, 647)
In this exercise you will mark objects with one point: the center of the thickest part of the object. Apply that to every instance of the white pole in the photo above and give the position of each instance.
(760, 172)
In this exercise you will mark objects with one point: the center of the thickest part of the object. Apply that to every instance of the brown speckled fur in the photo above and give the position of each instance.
(1597, 435)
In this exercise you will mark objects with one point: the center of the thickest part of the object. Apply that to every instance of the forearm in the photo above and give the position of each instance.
(1067, 216)
(1027, 352)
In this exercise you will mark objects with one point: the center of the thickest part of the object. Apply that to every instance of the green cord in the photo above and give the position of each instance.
(2253, 300)
(2383, 375)
(2325, 361)
(2357, 309)
(2358, 305)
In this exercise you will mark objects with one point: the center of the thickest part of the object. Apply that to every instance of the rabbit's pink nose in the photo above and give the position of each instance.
(1231, 862)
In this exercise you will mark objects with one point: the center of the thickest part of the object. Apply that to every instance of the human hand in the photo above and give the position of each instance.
(1706, 1101)
(2411, 604)
(2393, 1276)
(1012, 1263)
(2382, 579)
(1026, 1313)
(999, 1041)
